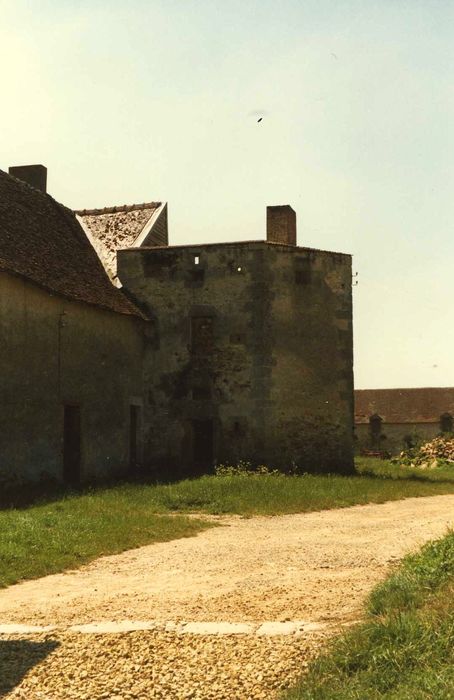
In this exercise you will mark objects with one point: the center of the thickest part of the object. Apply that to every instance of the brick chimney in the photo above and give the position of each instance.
(34, 175)
(281, 224)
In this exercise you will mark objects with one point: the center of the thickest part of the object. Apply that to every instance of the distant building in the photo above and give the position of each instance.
(391, 420)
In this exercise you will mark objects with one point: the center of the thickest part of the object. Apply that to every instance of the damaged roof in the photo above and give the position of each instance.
(425, 405)
(42, 241)
(113, 228)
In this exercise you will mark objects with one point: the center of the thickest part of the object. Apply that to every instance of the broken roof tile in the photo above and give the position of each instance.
(112, 228)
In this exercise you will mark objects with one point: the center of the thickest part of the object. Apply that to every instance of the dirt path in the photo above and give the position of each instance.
(315, 567)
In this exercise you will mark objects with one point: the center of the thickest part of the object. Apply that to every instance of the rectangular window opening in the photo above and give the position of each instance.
(202, 336)
(302, 271)
(197, 277)
(201, 393)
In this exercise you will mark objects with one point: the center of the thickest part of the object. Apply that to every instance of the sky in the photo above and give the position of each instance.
(145, 100)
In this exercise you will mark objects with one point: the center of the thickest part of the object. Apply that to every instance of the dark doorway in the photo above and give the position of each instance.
(134, 423)
(203, 445)
(71, 445)
(446, 423)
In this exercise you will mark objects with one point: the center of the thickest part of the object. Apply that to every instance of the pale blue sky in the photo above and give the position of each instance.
(133, 101)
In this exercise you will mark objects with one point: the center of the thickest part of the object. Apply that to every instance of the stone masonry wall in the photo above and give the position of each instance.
(393, 436)
(254, 338)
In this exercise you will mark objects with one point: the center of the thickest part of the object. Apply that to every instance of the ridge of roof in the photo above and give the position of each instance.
(117, 209)
(411, 405)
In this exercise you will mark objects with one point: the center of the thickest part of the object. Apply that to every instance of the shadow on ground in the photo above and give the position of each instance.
(17, 657)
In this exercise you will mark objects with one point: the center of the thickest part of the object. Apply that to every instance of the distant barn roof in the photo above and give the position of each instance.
(127, 226)
(424, 405)
(42, 241)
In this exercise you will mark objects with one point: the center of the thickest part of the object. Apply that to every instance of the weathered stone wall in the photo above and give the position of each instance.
(393, 436)
(311, 390)
(55, 352)
(256, 338)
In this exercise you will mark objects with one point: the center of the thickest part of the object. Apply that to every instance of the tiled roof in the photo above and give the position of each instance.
(42, 241)
(113, 228)
(424, 405)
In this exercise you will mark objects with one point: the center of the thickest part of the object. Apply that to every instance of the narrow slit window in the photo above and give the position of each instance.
(196, 260)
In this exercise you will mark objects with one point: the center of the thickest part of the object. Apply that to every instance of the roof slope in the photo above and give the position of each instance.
(42, 241)
(113, 228)
(424, 405)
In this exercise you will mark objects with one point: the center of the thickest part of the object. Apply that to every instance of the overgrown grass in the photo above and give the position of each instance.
(370, 466)
(68, 530)
(405, 648)
(273, 495)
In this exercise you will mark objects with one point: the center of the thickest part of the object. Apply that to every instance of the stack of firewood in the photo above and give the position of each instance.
(438, 448)
(434, 453)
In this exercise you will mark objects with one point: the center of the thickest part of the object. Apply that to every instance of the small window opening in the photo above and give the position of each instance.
(202, 339)
(197, 277)
(201, 392)
(239, 428)
(302, 271)
(196, 260)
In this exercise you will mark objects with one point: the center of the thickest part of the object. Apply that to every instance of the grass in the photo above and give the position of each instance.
(66, 531)
(273, 495)
(405, 648)
(73, 530)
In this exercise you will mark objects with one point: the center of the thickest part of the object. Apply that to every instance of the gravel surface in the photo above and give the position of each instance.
(314, 567)
(290, 567)
(149, 665)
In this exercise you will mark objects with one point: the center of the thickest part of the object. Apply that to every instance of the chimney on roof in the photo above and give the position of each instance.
(281, 224)
(34, 175)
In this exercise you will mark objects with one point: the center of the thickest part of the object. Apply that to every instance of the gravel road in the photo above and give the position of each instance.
(315, 567)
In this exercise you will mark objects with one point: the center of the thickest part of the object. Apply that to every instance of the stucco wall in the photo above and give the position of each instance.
(54, 352)
(280, 370)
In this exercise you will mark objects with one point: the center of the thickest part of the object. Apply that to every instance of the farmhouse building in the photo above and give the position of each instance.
(391, 420)
(125, 352)
(72, 346)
